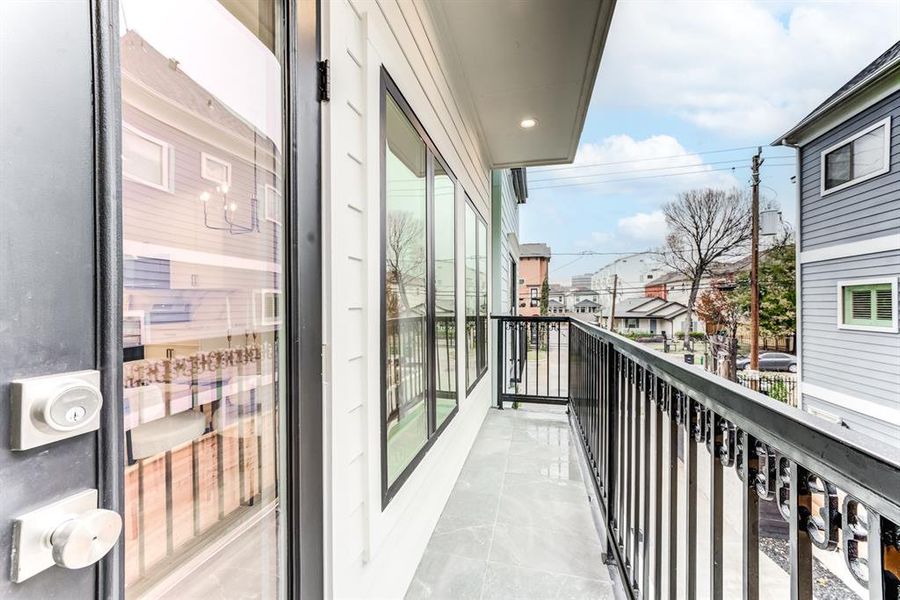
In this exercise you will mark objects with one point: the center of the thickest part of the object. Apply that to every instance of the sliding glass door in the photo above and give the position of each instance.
(203, 163)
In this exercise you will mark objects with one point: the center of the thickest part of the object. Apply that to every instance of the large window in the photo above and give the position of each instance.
(858, 158)
(476, 296)
(868, 305)
(204, 374)
(419, 382)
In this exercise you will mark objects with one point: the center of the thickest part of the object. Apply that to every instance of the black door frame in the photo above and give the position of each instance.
(302, 505)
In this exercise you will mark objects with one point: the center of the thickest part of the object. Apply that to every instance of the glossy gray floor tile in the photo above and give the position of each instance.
(518, 523)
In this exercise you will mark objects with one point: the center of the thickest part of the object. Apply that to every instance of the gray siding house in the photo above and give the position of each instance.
(849, 252)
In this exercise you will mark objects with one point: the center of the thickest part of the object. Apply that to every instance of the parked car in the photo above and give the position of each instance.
(771, 361)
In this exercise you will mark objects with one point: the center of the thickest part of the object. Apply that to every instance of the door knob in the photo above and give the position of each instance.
(72, 533)
(85, 539)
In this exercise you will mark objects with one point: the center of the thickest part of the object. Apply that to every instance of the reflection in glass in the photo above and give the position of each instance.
(444, 292)
(203, 280)
(471, 296)
(405, 288)
(482, 297)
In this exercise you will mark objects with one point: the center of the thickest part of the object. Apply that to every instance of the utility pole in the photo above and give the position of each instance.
(612, 310)
(754, 264)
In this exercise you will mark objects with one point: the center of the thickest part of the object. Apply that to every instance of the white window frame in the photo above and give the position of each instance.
(166, 161)
(893, 328)
(271, 200)
(886, 124)
(204, 173)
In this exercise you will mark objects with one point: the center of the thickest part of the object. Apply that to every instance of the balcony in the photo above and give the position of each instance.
(698, 487)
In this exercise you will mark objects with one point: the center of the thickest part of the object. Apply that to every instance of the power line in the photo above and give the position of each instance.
(735, 161)
(661, 167)
(634, 160)
(587, 183)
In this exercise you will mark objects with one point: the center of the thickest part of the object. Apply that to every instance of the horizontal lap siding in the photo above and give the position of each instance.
(508, 208)
(861, 364)
(863, 211)
(368, 545)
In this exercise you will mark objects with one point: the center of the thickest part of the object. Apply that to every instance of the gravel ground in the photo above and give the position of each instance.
(826, 586)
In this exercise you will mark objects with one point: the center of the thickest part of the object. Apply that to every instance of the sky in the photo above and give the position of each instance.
(685, 93)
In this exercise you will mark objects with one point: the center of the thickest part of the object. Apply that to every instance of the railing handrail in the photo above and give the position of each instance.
(864, 468)
(555, 319)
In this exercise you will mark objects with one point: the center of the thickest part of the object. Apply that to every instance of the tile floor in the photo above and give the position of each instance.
(518, 523)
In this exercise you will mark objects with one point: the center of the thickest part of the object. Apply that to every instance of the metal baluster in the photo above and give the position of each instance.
(657, 496)
(690, 537)
(645, 530)
(875, 552)
(801, 547)
(714, 423)
(636, 462)
(547, 366)
(749, 467)
(675, 402)
(627, 489)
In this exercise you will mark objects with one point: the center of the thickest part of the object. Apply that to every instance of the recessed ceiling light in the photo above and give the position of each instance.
(528, 123)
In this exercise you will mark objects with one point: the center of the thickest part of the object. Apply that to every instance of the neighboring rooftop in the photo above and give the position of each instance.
(534, 251)
(648, 307)
(881, 67)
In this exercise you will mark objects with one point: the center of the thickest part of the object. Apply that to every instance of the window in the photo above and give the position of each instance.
(631, 323)
(419, 324)
(215, 169)
(272, 201)
(534, 297)
(858, 158)
(868, 305)
(146, 159)
(476, 296)
(267, 303)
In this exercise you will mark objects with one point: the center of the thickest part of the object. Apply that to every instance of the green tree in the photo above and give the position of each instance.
(777, 290)
(545, 297)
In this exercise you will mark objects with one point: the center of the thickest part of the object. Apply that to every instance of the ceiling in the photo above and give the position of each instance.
(521, 59)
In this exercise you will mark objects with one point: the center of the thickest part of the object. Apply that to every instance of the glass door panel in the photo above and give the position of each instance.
(203, 243)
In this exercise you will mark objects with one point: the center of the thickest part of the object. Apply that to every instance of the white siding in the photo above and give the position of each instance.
(372, 552)
(859, 364)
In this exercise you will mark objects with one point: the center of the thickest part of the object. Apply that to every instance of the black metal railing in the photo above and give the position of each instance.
(533, 354)
(799, 489)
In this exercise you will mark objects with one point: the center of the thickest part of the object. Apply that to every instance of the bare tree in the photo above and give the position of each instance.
(405, 258)
(703, 225)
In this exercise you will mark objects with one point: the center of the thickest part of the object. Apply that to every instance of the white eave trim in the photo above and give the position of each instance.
(885, 243)
(852, 403)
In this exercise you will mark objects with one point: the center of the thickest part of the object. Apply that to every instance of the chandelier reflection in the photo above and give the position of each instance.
(229, 210)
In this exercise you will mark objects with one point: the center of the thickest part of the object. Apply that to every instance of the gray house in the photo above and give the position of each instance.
(849, 251)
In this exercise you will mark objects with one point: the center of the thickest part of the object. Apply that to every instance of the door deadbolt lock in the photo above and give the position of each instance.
(54, 407)
(71, 533)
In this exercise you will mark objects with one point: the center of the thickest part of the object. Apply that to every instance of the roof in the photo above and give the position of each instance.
(143, 63)
(876, 70)
(648, 307)
(534, 251)
(513, 60)
(717, 269)
(586, 303)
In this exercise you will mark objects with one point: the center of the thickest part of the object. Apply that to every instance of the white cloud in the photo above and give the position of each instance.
(740, 67)
(644, 227)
